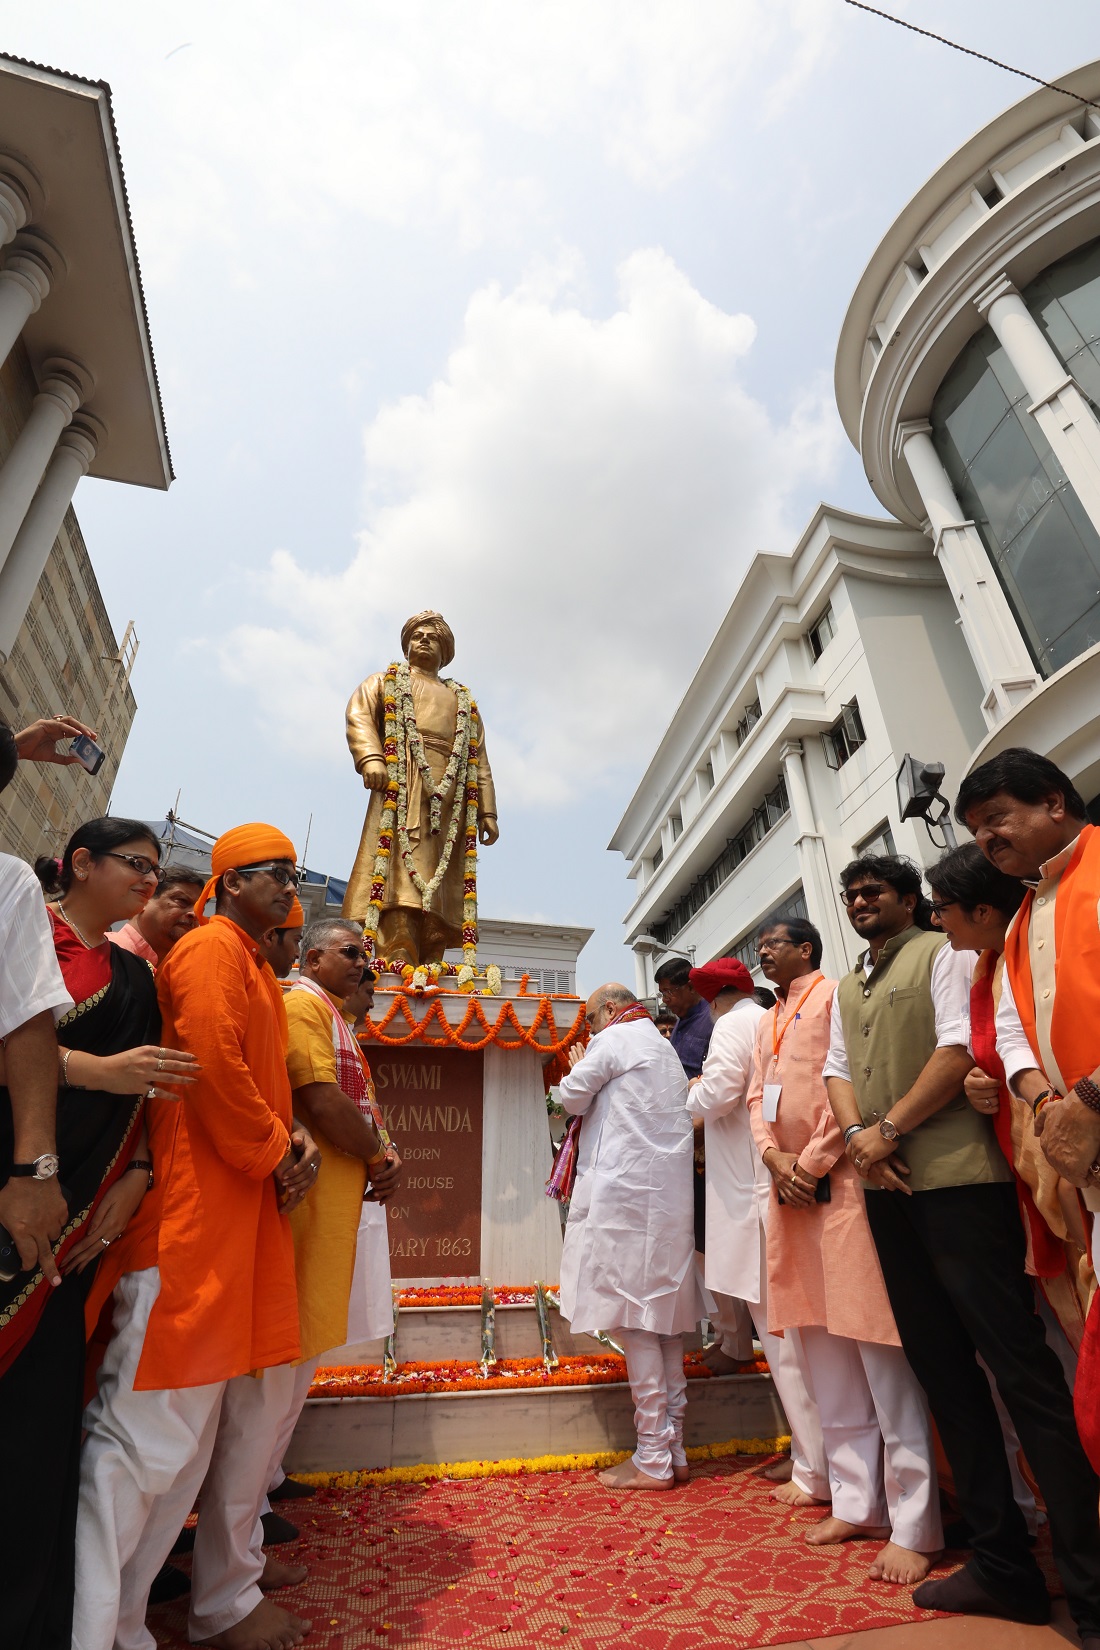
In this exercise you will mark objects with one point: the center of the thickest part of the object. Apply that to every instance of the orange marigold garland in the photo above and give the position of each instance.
(456, 1036)
(464, 1375)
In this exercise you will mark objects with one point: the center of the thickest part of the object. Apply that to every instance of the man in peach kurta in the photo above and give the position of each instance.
(207, 1293)
(824, 1278)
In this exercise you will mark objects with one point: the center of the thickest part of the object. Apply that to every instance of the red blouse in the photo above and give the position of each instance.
(85, 970)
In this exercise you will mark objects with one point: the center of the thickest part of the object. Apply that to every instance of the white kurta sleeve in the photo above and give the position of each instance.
(30, 979)
(1017, 1054)
(601, 1062)
(727, 1069)
(836, 1064)
(952, 973)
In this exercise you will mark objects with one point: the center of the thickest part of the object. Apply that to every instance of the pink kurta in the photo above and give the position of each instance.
(823, 1271)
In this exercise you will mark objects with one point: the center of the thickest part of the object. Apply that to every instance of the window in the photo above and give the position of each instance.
(677, 824)
(658, 856)
(879, 842)
(763, 819)
(708, 776)
(748, 721)
(821, 634)
(745, 949)
(845, 737)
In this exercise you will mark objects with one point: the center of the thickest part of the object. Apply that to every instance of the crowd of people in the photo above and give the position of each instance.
(901, 1172)
(182, 1267)
(889, 1179)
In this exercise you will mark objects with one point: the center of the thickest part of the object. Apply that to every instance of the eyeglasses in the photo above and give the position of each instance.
(771, 945)
(940, 905)
(278, 873)
(351, 952)
(139, 862)
(868, 892)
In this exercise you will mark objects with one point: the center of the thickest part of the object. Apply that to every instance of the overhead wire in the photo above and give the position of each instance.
(968, 51)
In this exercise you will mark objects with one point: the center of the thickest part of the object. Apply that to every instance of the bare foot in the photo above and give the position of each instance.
(681, 1472)
(792, 1495)
(626, 1476)
(778, 1472)
(719, 1362)
(830, 1531)
(267, 1627)
(277, 1573)
(901, 1565)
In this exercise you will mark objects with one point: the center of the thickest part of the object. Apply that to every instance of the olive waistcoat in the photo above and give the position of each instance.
(889, 1022)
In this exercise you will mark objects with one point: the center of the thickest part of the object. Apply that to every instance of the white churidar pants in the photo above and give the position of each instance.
(144, 1458)
(790, 1371)
(870, 1402)
(252, 1433)
(303, 1380)
(733, 1321)
(658, 1385)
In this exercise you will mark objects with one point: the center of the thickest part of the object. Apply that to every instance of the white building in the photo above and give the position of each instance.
(968, 376)
(780, 763)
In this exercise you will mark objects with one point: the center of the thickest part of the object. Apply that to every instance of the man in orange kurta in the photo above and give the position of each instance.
(824, 1277)
(208, 1289)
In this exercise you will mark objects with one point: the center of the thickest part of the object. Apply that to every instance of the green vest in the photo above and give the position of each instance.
(889, 1026)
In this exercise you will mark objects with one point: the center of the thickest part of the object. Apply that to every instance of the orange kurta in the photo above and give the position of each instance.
(823, 1269)
(212, 1223)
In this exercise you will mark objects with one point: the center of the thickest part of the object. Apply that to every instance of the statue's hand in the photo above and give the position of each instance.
(487, 830)
(375, 776)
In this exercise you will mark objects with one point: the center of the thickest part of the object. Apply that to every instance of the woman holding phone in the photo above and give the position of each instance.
(109, 1063)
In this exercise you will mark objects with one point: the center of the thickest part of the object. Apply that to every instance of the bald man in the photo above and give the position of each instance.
(628, 1262)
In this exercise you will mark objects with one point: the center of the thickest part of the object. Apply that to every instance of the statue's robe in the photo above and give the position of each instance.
(436, 707)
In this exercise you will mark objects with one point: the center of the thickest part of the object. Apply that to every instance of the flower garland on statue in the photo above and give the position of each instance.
(400, 735)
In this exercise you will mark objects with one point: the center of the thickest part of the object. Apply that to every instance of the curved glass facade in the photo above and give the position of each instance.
(1044, 548)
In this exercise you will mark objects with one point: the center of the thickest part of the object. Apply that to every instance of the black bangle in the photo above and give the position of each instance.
(143, 1163)
(853, 1128)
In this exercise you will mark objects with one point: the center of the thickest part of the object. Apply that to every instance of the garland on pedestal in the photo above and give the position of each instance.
(401, 737)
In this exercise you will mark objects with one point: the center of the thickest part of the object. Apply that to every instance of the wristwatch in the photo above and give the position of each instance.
(888, 1130)
(43, 1168)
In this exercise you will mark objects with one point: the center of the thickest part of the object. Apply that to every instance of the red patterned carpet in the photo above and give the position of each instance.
(537, 1560)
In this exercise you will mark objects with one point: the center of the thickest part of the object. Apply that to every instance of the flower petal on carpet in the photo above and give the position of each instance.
(557, 1558)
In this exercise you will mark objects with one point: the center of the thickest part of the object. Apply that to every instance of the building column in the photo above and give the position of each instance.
(30, 268)
(987, 621)
(63, 388)
(813, 863)
(1058, 405)
(27, 559)
(14, 207)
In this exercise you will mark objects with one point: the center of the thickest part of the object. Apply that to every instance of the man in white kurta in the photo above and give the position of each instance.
(738, 1193)
(628, 1261)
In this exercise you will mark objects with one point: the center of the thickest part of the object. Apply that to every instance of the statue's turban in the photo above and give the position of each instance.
(441, 628)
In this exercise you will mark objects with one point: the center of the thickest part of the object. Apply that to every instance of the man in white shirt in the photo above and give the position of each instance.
(628, 1260)
(738, 1193)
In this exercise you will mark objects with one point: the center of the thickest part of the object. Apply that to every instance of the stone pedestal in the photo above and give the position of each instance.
(472, 1129)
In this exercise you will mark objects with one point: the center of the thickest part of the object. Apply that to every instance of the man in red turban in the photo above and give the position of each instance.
(207, 1294)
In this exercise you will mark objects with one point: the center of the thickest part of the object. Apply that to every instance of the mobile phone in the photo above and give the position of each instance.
(90, 755)
(10, 1263)
(824, 1191)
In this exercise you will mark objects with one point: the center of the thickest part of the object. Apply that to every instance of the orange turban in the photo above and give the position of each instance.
(295, 917)
(243, 845)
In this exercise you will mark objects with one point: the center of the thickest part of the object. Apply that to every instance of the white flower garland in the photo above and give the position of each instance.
(408, 736)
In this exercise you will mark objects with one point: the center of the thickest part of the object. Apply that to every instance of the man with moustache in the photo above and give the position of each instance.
(169, 915)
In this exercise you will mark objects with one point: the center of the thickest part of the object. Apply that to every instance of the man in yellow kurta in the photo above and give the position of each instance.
(333, 1088)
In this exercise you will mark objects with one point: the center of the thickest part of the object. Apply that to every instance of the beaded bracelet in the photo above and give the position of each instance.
(1087, 1092)
(853, 1128)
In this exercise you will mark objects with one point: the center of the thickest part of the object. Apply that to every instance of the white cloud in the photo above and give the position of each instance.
(579, 496)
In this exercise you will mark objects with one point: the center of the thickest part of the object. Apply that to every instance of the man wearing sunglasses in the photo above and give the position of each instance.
(942, 1207)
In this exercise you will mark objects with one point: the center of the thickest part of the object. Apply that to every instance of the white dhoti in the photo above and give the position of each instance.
(370, 1305)
(655, 1370)
(257, 1417)
(871, 1405)
(144, 1459)
(732, 1320)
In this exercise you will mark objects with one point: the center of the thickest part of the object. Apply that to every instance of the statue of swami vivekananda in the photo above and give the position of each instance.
(432, 800)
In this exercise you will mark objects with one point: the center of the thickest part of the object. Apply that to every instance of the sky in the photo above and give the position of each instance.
(524, 313)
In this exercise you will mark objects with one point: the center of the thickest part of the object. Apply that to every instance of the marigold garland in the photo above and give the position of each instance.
(516, 1467)
(373, 1031)
(457, 1294)
(464, 1375)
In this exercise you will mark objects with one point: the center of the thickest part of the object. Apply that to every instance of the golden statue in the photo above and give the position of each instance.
(417, 740)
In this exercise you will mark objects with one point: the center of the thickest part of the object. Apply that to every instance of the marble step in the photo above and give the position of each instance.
(350, 1434)
(425, 1333)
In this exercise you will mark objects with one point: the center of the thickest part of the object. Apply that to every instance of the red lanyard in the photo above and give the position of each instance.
(777, 1042)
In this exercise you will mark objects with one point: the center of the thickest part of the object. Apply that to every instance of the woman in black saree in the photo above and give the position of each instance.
(108, 1064)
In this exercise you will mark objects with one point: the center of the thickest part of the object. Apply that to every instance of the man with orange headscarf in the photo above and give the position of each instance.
(208, 1291)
